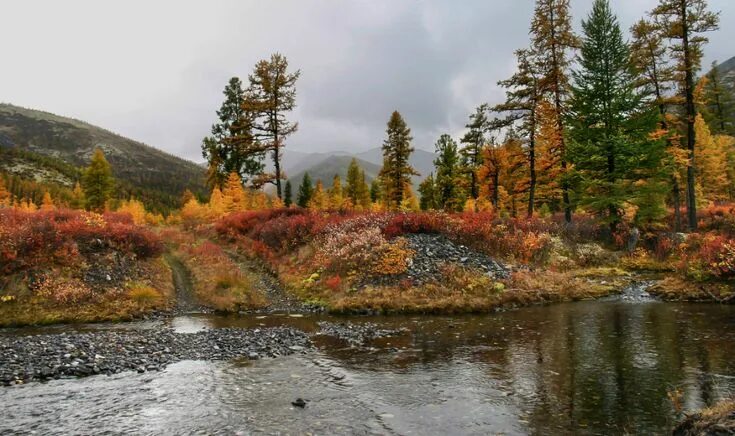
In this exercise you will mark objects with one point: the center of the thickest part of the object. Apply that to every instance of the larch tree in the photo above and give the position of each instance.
(319, 198)
(353, 182)
(655, 77)
(711, 153)
(474, 141)
(5, 197)
(97, 182)
(376, 193)
(234, 196)
(521, 106)
(271, 95)
(684, 22)
(448, 190)
(397, 170)
(336, 194)
(306, 190)
(609, 125)
(230, 146)
(554, 41)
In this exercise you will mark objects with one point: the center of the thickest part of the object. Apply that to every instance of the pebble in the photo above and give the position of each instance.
(51, 356)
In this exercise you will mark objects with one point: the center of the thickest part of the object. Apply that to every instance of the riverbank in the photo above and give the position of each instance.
(712, 421)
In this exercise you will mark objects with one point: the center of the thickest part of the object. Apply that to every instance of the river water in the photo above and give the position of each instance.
(601, 367)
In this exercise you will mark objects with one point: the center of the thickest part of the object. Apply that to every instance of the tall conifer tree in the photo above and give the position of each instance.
(396, 171)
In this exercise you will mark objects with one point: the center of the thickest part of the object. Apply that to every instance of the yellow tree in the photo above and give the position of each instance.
(47, 203)
(235, 198)
(711, 153)
(409, 203)
(216, 203)
(5, 197)
(336, 197)
(135, 209)
(319, 198)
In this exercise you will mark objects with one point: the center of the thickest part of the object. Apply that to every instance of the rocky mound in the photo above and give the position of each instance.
(356, 334)
(44, 357)
(434, 250)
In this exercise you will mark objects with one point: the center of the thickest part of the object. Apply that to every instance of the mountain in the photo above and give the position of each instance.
(325, 170)
(325, 165)
(35, 142)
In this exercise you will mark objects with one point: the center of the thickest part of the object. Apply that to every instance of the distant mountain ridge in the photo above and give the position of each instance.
(156, 177)
(323, 166)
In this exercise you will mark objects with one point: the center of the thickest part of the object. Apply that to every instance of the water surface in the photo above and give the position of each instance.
(585, 368)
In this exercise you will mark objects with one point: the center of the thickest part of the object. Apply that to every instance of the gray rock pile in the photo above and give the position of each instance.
(43, 357)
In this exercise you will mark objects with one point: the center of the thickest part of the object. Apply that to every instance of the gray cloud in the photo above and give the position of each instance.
(154, 71)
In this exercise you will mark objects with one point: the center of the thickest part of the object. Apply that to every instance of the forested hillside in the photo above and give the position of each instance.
(49, 149)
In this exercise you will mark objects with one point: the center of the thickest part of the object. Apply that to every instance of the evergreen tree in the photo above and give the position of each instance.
(363, 193)
(396, 171)
(97, 182)
(553, 40)
(271, 94)
(287, 196)
(447, 174)
(375, 192)
(521, 104)
(354, 182)
(684, 21)
(306, 190)
(474, 141)
(427, 189)
(610, 148)
(719, 108)
(230, 147)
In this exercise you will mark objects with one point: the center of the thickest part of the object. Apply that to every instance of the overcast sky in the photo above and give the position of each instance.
(154, 70)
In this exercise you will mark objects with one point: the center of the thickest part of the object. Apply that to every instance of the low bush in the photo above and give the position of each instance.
(44, 238)
(143, 294)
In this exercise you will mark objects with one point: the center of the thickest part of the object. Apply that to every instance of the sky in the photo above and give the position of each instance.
(154, 71)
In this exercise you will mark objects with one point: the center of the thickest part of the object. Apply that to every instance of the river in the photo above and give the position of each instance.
(597, 367)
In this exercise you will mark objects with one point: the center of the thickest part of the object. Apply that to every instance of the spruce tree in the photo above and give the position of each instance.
(271, 94)
(287, 196)
(376, 194)
(396, 171)
(427, 189)
(684, 21)
(719, 108)
(610, 149)
(306, 190)
(474, 141)
(230, 147)
(554, 40)
(97, 182)
(447, 174)
(353, 182)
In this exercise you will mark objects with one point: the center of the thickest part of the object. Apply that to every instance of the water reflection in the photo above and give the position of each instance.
(591, 367)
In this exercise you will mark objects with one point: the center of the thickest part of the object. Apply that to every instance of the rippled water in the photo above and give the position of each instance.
(588, 368)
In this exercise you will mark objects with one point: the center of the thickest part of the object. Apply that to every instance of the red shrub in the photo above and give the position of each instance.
(720, 218)
(334, 283)
(29, 239)
(708, 254)
(424, 222)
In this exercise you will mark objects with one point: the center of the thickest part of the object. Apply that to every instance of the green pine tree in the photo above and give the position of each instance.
(97, 182)
(427, 189)
(376, 194)
(306, 190)
(474, 140)
(448, 192)
(231, 147)
(353, 182)
(287, 196)
(609, 121)
(396, 171)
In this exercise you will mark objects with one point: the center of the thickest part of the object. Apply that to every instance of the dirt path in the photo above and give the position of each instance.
(279, 299)
(186, 301)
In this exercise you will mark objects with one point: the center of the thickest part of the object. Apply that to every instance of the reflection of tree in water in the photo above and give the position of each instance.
(588, 366)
